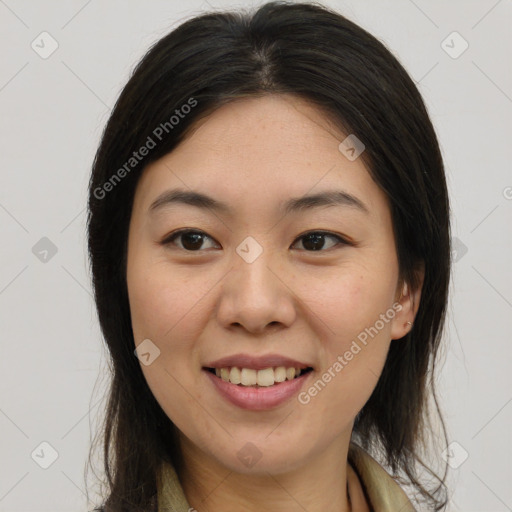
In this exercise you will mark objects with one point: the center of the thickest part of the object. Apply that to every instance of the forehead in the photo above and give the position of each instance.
(257, 152)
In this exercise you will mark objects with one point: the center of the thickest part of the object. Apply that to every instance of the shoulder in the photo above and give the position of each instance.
(383, 492)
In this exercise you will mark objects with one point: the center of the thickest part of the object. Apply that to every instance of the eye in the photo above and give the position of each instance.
(313, 241)
(192, 240)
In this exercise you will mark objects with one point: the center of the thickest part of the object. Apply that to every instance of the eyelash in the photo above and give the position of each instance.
(341, 241)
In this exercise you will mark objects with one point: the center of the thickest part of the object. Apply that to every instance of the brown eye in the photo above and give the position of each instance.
(191, 240)
(315, 240)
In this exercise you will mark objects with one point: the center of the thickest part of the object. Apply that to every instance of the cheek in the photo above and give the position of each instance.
(166, 308)
(347, 302)
(355, 314)
(165, 304)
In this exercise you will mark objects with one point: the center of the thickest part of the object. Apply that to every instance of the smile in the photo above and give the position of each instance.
(252, 395)
(249, 377)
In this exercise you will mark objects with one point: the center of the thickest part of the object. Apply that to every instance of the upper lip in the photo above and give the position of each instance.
(257, 362)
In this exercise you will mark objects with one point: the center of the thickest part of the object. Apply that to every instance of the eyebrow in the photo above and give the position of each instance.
(294, 205)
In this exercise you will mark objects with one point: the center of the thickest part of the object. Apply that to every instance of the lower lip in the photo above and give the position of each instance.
(258, 399)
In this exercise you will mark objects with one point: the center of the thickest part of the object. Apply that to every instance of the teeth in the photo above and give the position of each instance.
(235, 376)
(250, 377)
(280, 374)
(266, 377)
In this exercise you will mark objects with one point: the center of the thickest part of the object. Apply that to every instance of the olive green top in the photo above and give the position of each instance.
(381, 492)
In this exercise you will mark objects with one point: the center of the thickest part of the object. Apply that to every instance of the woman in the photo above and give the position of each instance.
(269, 237)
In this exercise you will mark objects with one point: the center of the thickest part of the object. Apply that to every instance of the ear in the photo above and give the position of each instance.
(408, 299)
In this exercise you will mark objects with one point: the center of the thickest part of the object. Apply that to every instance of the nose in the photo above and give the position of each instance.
(257, 295)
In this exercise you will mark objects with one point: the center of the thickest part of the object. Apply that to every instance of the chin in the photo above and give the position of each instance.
(260, 458)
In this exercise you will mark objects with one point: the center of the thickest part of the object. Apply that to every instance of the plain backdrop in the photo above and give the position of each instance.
(53, 109)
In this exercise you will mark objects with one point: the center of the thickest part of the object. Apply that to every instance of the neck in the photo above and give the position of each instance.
(319, 484)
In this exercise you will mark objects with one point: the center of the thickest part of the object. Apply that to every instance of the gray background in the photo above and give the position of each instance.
(53, 109)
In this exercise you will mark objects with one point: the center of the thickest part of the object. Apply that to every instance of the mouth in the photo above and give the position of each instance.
(258, 378)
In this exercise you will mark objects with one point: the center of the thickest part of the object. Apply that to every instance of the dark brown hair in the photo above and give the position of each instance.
(308, 50)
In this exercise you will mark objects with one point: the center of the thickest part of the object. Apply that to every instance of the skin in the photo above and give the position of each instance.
(199, 305)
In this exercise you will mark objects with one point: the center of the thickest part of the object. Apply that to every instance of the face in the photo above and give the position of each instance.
(267, 280)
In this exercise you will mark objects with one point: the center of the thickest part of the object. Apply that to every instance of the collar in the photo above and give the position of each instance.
(382, 492)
